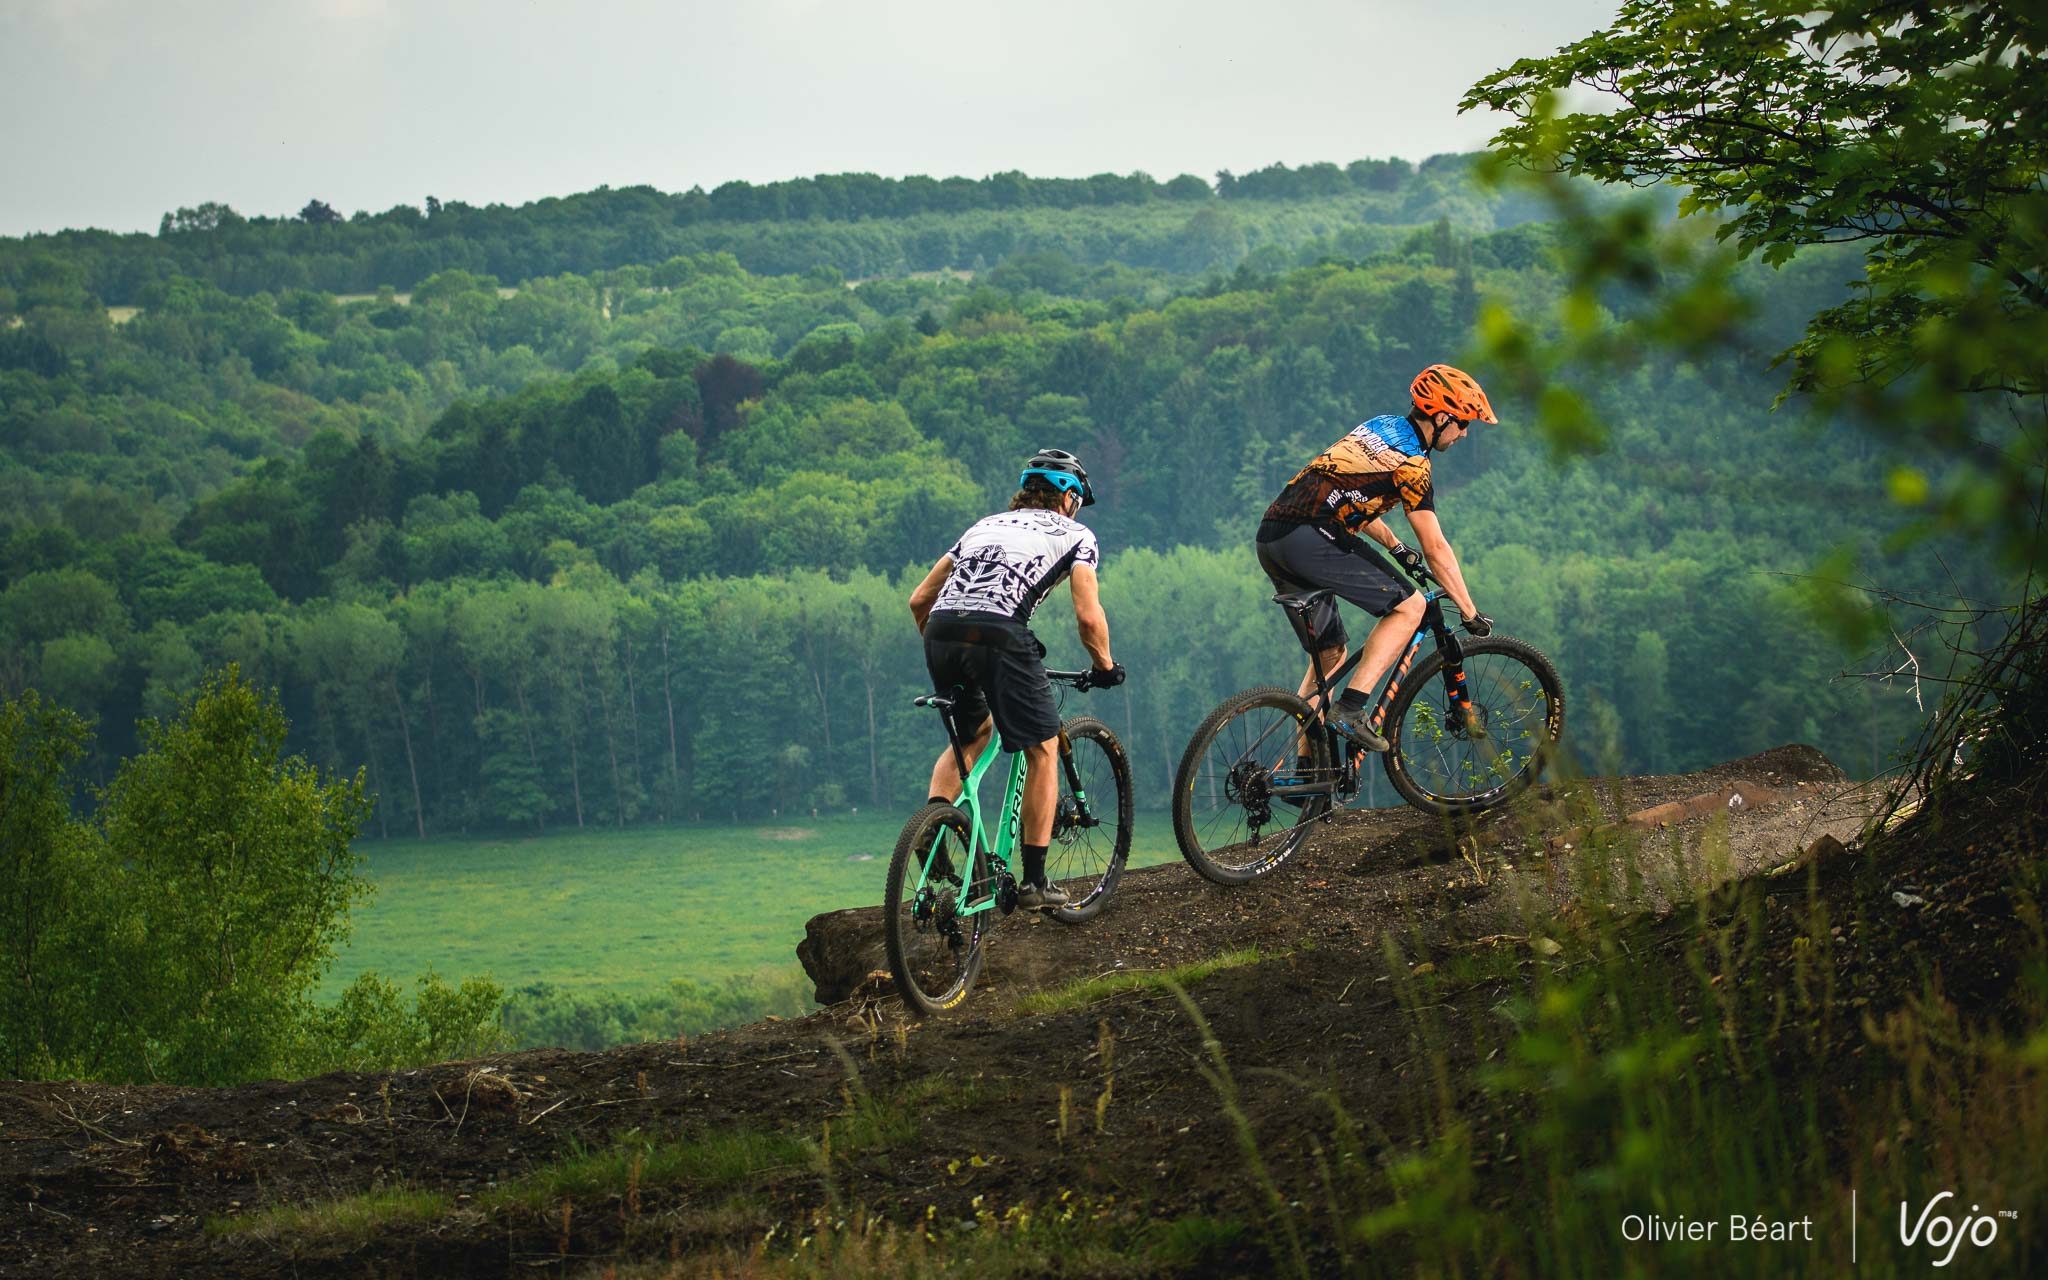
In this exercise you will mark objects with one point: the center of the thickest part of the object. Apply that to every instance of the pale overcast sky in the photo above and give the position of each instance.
(118, 110)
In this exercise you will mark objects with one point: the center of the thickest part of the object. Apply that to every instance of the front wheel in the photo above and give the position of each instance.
(1451, 762)
(1091, 830)
(1254, 779)
(934, 950)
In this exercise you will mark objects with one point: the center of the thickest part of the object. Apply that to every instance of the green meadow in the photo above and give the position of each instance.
(623, 911)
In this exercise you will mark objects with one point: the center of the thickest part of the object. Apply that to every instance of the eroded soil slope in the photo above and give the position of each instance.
(104, 1181)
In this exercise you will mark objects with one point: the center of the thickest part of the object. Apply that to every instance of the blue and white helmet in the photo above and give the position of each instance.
(1061, 470)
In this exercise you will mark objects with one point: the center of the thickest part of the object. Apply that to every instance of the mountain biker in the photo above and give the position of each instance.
(973, 608)
(1310, 539)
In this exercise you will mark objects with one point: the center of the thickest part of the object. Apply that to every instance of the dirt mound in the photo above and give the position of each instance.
(1395, 864)
(123, 1181)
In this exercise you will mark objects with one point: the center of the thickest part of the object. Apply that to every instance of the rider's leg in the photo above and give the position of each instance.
(946, 774)
(1041, 791)
(1041, 795)
(1388, 638)
(1352, 714)
(1329, 660)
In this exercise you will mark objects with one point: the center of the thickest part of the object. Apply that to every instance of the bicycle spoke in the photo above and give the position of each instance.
(933, 948)
(1226, 810)
(1091, 837)
(1454, 758)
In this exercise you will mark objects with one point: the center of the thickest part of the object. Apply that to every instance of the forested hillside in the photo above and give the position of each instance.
(857, 224)
(631, 545)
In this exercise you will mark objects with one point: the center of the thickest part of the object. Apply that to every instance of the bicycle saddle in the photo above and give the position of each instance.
(1303, 601)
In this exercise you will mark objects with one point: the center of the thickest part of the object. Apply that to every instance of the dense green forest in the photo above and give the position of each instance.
(632, 546)
(856, 224)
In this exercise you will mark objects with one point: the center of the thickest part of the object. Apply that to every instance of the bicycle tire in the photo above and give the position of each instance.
(933, 970)
(1199, 780)
(1522, 683)
(1081, 857)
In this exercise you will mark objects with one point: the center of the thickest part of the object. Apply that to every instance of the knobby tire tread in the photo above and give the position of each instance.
(1189, 840)
(1091, 728)
(1425, 676)
(910, 846)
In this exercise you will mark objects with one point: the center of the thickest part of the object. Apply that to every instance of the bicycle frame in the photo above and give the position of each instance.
(1009, 818)
(978, 844)
(1342, 751)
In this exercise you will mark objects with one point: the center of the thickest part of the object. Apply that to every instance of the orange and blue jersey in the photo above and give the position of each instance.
(1379, 464)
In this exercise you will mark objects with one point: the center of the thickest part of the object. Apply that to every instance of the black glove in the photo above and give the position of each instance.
(1479, 625)
(1409, 559)
(1106, 679)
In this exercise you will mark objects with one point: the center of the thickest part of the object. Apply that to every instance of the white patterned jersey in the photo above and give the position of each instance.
(1007, 562)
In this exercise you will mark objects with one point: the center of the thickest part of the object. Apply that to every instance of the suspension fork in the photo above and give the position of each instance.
(1073, 776)
(1457, 694)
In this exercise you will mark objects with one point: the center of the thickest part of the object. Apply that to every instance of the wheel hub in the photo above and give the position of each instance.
(1068, 821)
(937, 913)
(1251, 786)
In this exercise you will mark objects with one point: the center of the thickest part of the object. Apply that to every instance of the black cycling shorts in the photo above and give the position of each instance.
(991, 665)
(1306, 557)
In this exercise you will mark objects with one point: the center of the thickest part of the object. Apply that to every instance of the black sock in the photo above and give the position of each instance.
(938, 800)
(1352, 700)
(1034, 864)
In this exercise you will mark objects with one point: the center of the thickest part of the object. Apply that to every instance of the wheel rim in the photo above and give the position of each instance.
(1458, 760)
(1081, 857)
(935, 942)
(1232, 817)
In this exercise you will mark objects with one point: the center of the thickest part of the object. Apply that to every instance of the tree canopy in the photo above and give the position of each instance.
(1917, 132)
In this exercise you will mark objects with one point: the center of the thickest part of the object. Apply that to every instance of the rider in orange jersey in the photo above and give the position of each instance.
(1310, 537)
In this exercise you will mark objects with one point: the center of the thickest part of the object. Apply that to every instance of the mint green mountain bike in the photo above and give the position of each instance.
(950, 878)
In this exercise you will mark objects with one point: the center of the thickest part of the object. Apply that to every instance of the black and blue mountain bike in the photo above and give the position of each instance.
(1468, 727)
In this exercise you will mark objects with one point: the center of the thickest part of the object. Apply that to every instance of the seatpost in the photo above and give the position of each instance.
(959, 752)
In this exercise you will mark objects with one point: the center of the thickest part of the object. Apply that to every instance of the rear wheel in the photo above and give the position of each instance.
(1091, 829)
(1446, 763)
(1230, 824)
(934, 951)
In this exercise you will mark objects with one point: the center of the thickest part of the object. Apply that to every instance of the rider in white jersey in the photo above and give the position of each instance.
(972, 608)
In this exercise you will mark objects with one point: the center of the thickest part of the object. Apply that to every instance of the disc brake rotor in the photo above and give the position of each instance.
(1470, 725)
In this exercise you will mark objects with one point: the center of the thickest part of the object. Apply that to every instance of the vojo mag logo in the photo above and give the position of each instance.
(1943, 1233)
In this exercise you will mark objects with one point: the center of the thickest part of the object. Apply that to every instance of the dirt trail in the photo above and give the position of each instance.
(1380, 868)
(105, 1181)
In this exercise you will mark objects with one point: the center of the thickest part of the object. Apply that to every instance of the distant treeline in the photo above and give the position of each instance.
(672, 584)
(857, 224)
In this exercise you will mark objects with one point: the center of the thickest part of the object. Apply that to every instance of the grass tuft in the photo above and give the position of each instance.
(730, 1158)
(1072, 1235)
(1086, 991)
(350, 1219)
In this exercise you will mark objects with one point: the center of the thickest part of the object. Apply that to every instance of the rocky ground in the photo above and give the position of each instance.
(997, 1105)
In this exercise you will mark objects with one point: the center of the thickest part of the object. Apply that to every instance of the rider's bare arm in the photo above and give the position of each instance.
(1089, 619)
(1377, 530)
(927, 592)
(1443, 562)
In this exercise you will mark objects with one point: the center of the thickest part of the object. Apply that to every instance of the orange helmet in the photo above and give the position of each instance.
(1442, 389)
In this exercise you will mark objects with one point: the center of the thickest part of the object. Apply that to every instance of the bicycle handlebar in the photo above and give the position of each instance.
(1082, 680)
